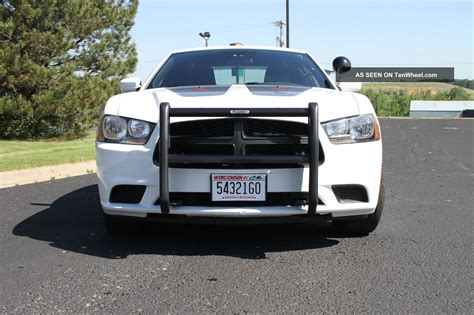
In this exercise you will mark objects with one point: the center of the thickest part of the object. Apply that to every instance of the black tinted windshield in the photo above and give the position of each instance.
(239, 66)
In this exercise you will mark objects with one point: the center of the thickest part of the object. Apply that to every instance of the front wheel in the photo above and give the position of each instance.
(363, 227)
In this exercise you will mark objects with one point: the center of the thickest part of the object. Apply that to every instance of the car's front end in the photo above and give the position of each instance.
(239, 153)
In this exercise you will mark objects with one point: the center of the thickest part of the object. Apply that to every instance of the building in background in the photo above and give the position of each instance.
(439, 109)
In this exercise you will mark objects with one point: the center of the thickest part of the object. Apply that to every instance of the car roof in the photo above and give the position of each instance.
(239, 47)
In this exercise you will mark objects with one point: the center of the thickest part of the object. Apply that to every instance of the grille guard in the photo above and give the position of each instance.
(164, 144)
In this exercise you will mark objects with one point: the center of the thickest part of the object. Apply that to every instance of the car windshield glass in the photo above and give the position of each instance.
(239, 66)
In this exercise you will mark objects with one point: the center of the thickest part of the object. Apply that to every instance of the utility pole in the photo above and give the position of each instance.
(287, 23)
(279, 41)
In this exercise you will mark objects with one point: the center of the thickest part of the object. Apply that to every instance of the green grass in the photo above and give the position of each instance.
(412, 86)
(15, 154)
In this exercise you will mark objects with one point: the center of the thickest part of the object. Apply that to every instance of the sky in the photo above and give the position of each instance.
(371, 33)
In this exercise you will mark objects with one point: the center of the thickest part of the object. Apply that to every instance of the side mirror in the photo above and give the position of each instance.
(130, 84)
(341, 65)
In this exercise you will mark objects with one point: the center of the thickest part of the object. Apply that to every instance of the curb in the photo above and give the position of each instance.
(45, 173)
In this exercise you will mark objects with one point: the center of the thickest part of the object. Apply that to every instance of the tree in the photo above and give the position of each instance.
(60, 61)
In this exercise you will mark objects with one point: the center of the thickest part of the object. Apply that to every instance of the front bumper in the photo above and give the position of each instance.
(349, 164)
(358, 164)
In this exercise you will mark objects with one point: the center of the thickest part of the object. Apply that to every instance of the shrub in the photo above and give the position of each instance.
(389, 103)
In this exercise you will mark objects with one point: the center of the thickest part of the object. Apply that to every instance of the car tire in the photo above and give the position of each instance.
(363, 227)
(119, 225)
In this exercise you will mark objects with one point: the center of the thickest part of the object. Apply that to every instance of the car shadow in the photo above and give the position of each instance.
(74, 223)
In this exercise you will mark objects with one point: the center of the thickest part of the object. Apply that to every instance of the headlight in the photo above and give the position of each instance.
(114, 127)
(350, 130)
(138, 128)
(124, 130)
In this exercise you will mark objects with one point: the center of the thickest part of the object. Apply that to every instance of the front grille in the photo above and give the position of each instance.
(275, 149)
(242, 136)
(272, 199)
(203, 128)
(205, 149)
(274, 128)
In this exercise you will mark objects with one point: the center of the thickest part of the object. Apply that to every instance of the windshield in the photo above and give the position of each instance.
(239, 66)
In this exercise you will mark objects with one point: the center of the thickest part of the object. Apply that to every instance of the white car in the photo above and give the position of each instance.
(240, 135)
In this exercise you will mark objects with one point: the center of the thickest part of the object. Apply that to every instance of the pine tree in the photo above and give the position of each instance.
(60, 61)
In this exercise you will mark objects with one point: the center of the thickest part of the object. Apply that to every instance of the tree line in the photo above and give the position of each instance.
(397, 103)
(468, 84)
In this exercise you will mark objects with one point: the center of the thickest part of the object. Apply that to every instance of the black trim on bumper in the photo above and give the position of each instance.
(165, 158)
(182, 219)
(272, 199)
(240, 159)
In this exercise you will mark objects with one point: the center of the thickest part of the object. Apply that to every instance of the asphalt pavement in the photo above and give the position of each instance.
(56, 257)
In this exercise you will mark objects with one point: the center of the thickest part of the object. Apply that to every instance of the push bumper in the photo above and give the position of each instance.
(165, 158)
(344, 164)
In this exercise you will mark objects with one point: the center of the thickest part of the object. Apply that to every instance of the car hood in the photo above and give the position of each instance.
(144, 105)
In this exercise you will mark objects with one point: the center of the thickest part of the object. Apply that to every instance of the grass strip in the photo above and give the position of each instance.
(20, 154)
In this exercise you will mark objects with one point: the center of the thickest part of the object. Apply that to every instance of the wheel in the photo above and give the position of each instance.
(119, 225)
(363, 227)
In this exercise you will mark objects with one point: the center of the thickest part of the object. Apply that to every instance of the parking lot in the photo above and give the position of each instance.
(55, 255)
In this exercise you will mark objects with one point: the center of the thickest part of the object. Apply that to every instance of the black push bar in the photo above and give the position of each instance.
(238, 112)
(164, 144)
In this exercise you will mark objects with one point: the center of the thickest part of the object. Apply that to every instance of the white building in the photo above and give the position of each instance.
(441, 109)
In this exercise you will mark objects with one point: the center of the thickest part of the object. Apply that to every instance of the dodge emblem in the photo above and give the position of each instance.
(239, 111)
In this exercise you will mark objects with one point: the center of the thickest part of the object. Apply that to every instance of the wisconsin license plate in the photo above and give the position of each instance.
(238, 187)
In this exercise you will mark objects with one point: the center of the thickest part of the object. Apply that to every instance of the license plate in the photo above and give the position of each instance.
(238, 187)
